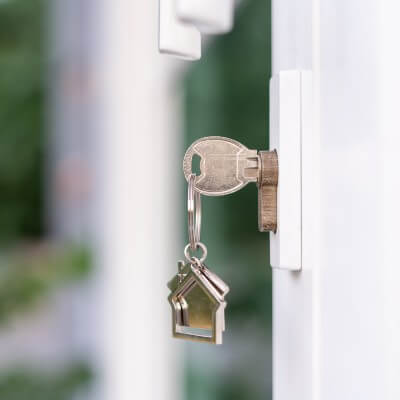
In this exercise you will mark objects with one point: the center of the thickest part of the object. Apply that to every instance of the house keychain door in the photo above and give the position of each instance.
(197, 295)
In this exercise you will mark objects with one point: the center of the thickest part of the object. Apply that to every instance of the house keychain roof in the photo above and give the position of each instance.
(198, 304)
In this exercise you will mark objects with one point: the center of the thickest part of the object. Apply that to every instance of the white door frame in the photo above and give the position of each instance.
(337, 323)
(135, 202)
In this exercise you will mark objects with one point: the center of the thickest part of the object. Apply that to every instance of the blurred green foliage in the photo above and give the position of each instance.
(29, 272)
(22, 66)
(25, 384)
(227, 95)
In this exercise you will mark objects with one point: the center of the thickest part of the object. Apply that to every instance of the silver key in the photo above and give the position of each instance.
(226, 165)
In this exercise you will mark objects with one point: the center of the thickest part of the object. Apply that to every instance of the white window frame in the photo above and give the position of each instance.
(336, 324)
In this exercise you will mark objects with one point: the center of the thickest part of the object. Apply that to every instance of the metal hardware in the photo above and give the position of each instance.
(199, 245)
(194, 213)
(227, 166)
(268, 191)
(198, 303)
(197, 295)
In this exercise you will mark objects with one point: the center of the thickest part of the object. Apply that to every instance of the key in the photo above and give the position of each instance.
(226, 165)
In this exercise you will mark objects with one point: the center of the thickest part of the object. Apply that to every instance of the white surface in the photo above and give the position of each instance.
(210, 16)
(135, 202)
(336, 323)
(176, 37)
(285, 138)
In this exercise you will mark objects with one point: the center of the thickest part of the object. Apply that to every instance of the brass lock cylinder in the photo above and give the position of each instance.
(268, 191)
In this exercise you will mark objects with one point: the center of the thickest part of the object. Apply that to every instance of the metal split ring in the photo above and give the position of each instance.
(194, 213)
(199, 245)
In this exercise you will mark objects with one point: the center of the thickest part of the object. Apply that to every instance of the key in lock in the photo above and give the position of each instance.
(226, 166)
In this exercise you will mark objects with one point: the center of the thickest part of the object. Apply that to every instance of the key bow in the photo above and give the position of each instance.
(226, 165)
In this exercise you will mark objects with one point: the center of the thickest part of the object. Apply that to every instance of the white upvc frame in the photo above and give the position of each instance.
(336, 322)
(135, 201)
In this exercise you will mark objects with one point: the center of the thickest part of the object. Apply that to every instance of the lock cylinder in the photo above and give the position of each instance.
(268, 191)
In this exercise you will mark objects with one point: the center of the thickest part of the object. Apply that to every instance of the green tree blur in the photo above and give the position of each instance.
(29, 268)
(22, 65)
(227, 95)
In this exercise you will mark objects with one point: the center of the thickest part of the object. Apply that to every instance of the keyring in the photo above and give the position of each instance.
(198, 245)
(194, 213)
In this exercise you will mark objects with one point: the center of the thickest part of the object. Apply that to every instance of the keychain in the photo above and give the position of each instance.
(197, 295)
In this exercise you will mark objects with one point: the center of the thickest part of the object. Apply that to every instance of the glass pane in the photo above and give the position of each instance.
(226, 95)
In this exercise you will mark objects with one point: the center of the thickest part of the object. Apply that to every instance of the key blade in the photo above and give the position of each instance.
(226, 165)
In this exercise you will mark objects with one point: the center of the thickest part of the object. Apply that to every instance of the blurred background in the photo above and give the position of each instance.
(94, 124)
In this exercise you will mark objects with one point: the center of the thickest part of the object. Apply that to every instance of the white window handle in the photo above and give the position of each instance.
(209, 16)
(181, 22)
(176, 37)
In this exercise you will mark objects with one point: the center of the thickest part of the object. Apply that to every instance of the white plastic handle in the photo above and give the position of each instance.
(209, 16)
(176, 37)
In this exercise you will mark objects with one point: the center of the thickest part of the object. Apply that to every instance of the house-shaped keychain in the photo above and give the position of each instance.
(198, 304)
